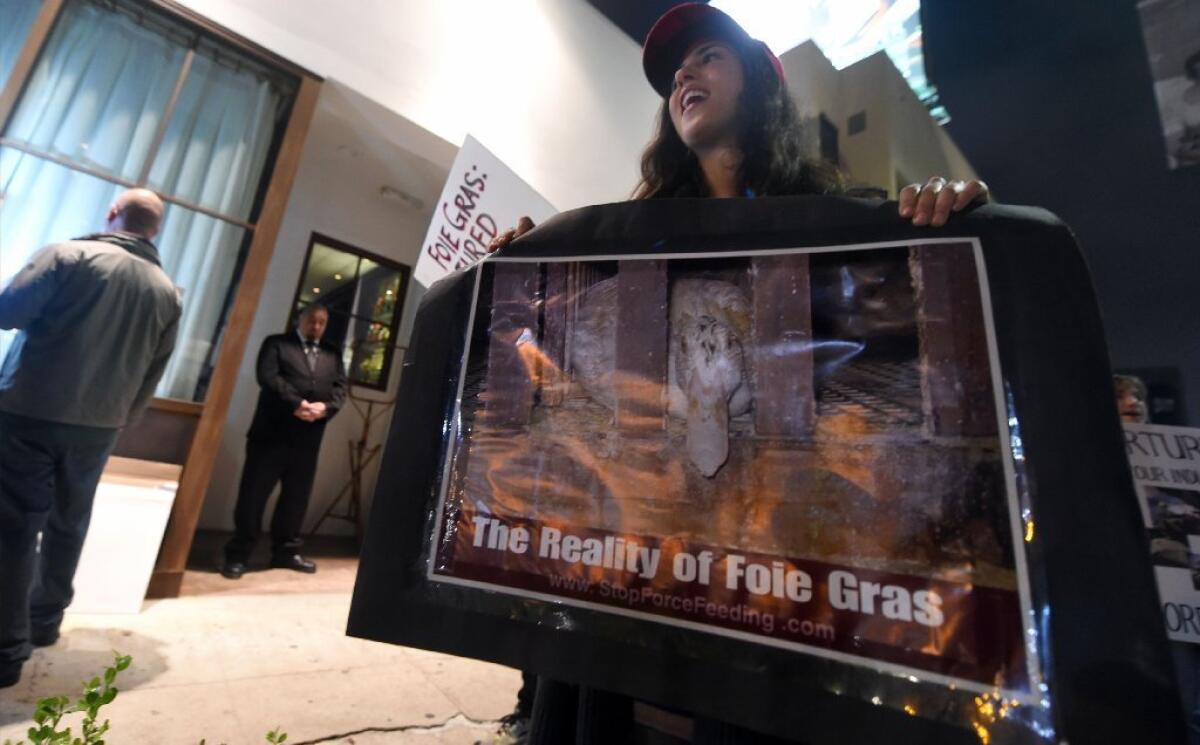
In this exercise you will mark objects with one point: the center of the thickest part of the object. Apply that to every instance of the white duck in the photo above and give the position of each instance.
(708, 374)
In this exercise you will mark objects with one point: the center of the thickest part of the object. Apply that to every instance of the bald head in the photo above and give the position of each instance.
(137, 211)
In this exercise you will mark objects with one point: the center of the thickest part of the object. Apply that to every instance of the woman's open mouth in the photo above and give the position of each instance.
(691, 99)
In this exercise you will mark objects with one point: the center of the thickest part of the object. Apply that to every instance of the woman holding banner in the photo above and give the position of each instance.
(727, 128)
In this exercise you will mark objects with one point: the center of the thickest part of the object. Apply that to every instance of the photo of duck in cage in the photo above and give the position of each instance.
(837, 405)
(812, 408)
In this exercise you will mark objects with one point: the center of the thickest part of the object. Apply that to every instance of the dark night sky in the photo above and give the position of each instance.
(1053, 103)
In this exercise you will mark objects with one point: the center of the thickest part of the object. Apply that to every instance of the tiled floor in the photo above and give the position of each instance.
(228, 661)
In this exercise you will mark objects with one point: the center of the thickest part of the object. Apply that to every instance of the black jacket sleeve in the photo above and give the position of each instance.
(338, 395)
(271, 378)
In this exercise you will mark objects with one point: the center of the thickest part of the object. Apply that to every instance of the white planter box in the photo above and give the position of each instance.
(129, 518)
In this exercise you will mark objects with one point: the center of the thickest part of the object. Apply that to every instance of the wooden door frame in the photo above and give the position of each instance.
(185, 514)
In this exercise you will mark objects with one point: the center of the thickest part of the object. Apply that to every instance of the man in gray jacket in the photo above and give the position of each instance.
(97, 319)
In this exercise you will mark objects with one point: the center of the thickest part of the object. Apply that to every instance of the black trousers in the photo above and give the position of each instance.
(48, 478)
(565, 714)
(288, 459)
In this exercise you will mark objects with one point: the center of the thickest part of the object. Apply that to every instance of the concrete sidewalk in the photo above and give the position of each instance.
(229, 661)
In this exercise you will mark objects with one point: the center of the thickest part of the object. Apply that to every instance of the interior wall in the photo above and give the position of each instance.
(552, 87)
(351, 152)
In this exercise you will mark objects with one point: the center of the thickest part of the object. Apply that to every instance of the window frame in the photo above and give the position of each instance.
(405, 272)
(200, 31)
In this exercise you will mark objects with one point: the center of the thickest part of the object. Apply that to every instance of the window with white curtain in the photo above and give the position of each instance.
(17, 18)
(124, 95)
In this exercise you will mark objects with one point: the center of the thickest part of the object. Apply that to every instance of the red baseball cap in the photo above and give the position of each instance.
(674, 33)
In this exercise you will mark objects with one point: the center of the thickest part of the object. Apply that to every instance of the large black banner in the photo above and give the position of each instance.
(789, 462)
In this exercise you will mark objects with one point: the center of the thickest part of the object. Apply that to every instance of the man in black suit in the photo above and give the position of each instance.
(303, 386)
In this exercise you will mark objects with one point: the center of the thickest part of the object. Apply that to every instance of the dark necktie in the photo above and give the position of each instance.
(311, 351)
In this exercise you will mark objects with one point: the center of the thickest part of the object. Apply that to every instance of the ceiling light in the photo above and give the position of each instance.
(393, 194)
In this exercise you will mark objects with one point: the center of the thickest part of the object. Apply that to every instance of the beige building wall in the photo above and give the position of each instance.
(900, 142)
(813, 82)
(868, 154)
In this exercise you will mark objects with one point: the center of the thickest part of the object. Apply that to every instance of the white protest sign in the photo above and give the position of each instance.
(482, 197)
(1166, 470)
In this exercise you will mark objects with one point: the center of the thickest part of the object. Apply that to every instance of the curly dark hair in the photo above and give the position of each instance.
(773, 158)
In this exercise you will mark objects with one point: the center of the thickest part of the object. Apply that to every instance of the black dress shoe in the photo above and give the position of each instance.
(295, 562)
(10, 673)
(233, 569)
(43, 636)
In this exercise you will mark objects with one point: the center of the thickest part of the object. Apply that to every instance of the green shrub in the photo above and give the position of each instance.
(97, 693)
